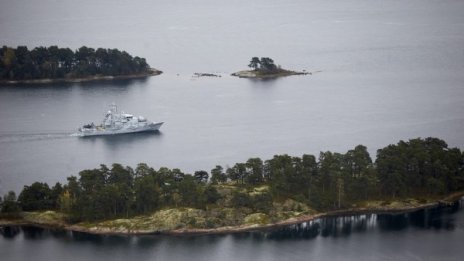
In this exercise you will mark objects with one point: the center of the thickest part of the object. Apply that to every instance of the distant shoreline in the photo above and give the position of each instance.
(257, 74)
(447, 200)
(95, 78)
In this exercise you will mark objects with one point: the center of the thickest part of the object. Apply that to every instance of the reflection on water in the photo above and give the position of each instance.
(57, 86)
(436, 218)
(114, 141)
(112, 83)
(9, 231)
(326, 227)
(433, 218)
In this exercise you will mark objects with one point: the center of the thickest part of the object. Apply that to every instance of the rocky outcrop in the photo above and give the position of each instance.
(206, 75)
(259, 74)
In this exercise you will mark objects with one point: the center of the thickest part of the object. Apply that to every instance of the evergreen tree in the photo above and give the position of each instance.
(54, 62)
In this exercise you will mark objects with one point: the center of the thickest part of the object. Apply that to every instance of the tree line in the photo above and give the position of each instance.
(265, 64)
(417, 168)
(54, 62)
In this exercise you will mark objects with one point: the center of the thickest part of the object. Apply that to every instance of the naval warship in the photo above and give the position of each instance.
(116, 122)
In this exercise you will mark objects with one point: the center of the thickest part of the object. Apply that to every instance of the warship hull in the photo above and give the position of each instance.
(97, 131)
(116, 122)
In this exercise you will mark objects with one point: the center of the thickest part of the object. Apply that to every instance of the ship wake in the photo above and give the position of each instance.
(26, 137)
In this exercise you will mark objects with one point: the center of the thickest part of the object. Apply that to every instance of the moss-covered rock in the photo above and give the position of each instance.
(257, 218)
(44, 217)
(163, 220)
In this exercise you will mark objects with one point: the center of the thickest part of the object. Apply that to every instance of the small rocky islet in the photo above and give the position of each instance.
(265, 68)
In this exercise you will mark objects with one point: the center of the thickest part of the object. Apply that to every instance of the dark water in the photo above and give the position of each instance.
(434, 234)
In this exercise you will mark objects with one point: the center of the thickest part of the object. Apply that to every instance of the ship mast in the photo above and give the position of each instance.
(113, 108)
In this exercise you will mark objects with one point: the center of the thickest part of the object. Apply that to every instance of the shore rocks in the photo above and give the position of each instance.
(257, 74)
(206, 75)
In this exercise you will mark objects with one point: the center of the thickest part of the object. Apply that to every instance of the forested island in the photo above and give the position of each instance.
(54, 64)
(412, 174)
(265, 68)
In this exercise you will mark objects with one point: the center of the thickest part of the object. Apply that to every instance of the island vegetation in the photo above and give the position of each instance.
(52, 63)
(256, 193)
(265, 68)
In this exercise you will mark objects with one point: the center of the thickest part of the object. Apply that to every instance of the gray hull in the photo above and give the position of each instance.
(100, 131)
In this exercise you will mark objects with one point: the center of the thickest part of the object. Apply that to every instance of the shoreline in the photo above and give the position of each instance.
(445, 201)
(301, 219)
(254, 74)
(150, 72)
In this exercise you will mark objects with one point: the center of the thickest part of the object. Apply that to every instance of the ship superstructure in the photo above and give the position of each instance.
(116, 122)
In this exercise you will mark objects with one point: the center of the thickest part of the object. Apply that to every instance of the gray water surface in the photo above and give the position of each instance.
(389, 70)
(386, 70)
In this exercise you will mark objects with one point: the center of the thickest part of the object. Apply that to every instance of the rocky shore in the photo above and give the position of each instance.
(257, 74)
(198, 75)
(157, 222)
(396, 207)
(150, 72)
